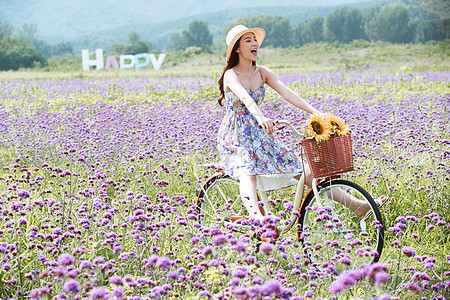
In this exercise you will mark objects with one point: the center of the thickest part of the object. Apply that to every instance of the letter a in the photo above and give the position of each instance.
(111, 60)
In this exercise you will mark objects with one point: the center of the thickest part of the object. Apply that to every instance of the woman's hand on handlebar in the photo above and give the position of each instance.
(268, 126)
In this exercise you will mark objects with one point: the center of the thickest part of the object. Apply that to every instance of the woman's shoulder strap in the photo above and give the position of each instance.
(260, 73)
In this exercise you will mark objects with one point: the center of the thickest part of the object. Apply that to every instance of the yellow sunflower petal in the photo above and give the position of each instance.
(319, 127)
(339, 126)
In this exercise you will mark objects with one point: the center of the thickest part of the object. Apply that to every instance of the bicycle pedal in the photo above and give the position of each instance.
(235, 218)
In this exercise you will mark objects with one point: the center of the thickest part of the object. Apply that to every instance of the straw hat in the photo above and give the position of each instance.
(239, 30)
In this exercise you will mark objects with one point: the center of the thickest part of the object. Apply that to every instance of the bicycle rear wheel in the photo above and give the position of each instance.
(331, 232)
(219, 205)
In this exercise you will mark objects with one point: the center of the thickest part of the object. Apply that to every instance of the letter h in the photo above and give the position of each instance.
(98, 61)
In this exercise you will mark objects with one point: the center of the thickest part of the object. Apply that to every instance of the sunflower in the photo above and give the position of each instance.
(319, 127)
(338, 125)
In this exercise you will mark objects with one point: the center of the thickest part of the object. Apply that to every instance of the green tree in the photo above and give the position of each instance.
(137, 47)
(43, 47)
(430, 30)
(133, 38)
(428, 9)
(6, 30)
(28, 32)
(197, 35)
(119, 48)
(370, 23)
(313, 30)
(18, 53)
(389, 24)
(354, 25)
(300, 34)
(62, 48)
(175, 43)
(344, 25)
(279, 32)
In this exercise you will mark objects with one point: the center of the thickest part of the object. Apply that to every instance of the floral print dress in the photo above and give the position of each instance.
(245, 149)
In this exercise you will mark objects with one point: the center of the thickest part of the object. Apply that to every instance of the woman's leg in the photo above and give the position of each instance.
(359, 207)
(247, 188)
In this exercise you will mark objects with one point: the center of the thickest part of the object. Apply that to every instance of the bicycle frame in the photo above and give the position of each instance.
(298, 200)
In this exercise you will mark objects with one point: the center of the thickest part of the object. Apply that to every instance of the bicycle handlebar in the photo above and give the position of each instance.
(281, 124)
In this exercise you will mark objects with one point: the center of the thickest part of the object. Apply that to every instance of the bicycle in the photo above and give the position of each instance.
(327, 229)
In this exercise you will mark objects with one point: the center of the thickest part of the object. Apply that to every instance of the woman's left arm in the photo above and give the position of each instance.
(272, 80)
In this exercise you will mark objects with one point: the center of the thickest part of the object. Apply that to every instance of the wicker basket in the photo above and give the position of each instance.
(330, 157)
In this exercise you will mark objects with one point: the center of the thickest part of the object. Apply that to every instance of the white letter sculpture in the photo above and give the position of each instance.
(98, 61)
(123, 65)
(146, 61)
(157, 63)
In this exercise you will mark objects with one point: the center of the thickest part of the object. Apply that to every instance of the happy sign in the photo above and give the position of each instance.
(126, 61)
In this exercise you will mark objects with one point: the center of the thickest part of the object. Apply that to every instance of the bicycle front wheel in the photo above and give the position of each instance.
(332, 231)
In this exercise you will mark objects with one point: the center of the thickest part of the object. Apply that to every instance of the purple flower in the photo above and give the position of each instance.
(381, 277)
(257, 280)
(409, 251)
(413, 287)
(240, 291)
(346, 279)
(370, 270)
(23, 194)
(240, 247)
(116, 280)
(73, 273)
(118, 292)
(234, 281)
(269, 287)
(163, 262)
(239, 272)
(336, 286)
(65, 259)
(207, 250)
(266, 248)
(205, 294)
(72, 286)
(99, 260)
(420, 276)
(220, 239)
(385, 297)
(85, 264)
(309, 294)
(172, 275)
(60, 272)
(98, 292)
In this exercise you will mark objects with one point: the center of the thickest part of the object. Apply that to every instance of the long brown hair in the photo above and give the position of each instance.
(234, 61)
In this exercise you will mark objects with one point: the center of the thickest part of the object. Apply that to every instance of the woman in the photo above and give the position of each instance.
(250, 151)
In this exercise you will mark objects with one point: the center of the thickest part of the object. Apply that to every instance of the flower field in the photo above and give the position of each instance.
(97, 189)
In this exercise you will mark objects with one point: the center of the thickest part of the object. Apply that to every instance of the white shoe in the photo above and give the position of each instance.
(380, 201)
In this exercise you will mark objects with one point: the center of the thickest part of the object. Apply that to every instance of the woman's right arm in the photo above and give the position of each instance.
(231, 81)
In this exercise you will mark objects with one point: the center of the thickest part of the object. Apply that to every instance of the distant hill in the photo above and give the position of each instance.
(102, 23)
